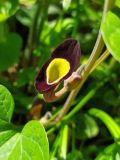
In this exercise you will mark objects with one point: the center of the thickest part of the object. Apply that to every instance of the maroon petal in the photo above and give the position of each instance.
(69, 50)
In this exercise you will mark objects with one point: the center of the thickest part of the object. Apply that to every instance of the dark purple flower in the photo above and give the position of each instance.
(62, 63)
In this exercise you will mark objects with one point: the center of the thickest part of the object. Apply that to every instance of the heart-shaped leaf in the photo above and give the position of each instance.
(6, 104)
(7, 8)
(6, 131)
(10, 51)
(30, 144)
(111, 32)
(86, 126)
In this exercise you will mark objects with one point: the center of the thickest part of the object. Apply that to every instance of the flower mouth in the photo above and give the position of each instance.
(56, 70)
(59, 67)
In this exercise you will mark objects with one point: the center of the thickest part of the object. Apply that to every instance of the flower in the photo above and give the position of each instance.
(62, 63)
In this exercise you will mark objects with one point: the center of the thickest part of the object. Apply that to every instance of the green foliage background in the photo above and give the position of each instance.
(29, 31)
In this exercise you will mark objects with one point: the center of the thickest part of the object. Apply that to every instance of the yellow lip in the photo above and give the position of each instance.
(56, 70)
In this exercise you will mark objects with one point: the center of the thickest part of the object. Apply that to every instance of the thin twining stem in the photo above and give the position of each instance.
(94, 56)
(100, 60)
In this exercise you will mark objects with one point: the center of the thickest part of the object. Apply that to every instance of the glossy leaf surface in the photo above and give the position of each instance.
(111, 32)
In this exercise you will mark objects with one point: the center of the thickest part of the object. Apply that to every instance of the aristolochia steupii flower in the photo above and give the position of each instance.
(62, 63)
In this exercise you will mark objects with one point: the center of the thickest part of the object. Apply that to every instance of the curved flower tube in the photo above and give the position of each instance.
(61, 66)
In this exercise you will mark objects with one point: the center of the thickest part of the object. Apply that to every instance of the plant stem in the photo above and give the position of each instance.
(90, 94)
(2, 31)
(31, 37)
(64, 142)
(46, 124)
(55, 147)
(53, 128)
(73, 136)
(35, 30)
(39, 27)
(100, 60)
(81, 104)
(94, 56)
(43, 18)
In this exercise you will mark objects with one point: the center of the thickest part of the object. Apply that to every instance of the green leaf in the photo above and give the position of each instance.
(66, 4)
(108, 121)
(6, 104)
(27, 2)
(30, 144)
(25, 75)
(7, 8)
(86, 127)
(26, 15)
(111, 152)
(117, 3)
(6, 131)
(76, 155)
(111, 32)
(10, 51)
(64, 142)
